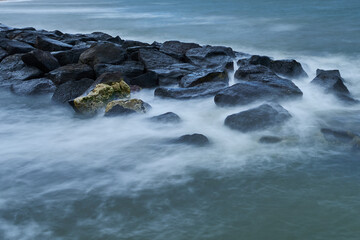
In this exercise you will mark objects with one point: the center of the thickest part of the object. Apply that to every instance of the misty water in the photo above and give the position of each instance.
(66, 177)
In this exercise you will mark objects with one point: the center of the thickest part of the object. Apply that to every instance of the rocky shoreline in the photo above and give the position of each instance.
(96, 72)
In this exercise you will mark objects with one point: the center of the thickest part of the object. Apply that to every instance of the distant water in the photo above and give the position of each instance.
(62, 177)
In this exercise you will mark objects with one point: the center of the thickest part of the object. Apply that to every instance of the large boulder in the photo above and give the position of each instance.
(177, 49)
(172, 74)
(211, 56)
(203, 76)
(108, 53)
(168, 117)
(125, 107)
(13, 46)
(154, 59)
(146, 80)
(41, 59)
(129, 69)
(71, 90)
(259, 118)
(101, 95)
(13, 69)
(51, 45)
(33, 87)
(202, 90)
(71, 72)
(70, 56)
(196, 139)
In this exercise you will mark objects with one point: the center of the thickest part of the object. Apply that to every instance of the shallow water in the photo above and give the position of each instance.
(64, 177)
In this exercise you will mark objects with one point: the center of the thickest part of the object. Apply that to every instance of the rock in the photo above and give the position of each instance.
(270, 139)
(146, 80)
(109, 77)
(287, 67)
(154, 59)
(30, 36)
(125, 107)
(70, 56)
(41, 60)
(33, 86)
(131, 43)
(172, 74)
(342, 137)
(108, 53)
(101, 95)
(211, 56)
(168, 117)
(14, 47)
(204, 76)
(129, 69)
(51, 45)
(332, 82)
(3, 54)
(259, 118)
(71, 72)
(71, 90)
(177, 49)
(13, 69)
(199, 91)
(195, 139)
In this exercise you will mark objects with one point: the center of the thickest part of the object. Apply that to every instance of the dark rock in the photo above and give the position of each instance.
(172, 74)
(177, 49)
(98, 36)
(109, 77)
(33, 86)
(51, 45)
(146, 80)
(131, 43)
(333, 135)
(211, 56)
(4, 28)
(129, 69)
(270, 139)
(119, 111)
(71, 90)
(125, 107)
(13, 69)
(168, 117)
(259, 118)
(195, 139)
(70, 56)
(41, 59)
(199, 91)
(71, 72)
(3, 54)
(135, 88)
(154, 59)
(204, 76)
(29, 36)
(108, 53)
(13, 46)
(260, 60)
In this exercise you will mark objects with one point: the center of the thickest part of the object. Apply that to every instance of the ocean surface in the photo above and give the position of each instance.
(64, 177)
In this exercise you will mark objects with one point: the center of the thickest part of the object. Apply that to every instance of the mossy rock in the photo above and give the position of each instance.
(124, 107)
(100, 96)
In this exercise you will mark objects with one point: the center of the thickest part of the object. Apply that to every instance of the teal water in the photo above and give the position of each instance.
(62, 177)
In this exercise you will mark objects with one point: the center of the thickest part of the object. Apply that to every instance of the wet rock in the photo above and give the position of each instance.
(70, 56)
(40, 59)
(129, 69)
(199, 91)
(177, 49)
(204, 76)
(154, 59)
(29, 36)
(33, 87)
(146, 80)
(109, 77)
(332, 82)
(108, 53)
(99, 96)
(14, 47)
(51, 45)
(172, 74)
(71, 72)
(270, 140)
(125, 107)
(259, 118)
(168, 117)
(132, 43)
(335, 136)
(211, 56)
(71, 90)
(195, 139)
(13, 69)
(3, 54)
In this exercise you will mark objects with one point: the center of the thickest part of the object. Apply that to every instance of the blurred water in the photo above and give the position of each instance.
(63, 177)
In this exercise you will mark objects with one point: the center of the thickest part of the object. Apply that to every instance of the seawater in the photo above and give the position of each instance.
(64, 177)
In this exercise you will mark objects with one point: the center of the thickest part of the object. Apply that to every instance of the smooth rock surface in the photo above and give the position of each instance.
(71, 90)
(71, 72)
(33, 87)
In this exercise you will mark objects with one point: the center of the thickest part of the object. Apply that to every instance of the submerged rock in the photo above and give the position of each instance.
(342, 137)
(71, 72)
(41, 59)
(168, 117)
(204, 76)
(125, 107)
(270, 140)
(195, 139)
(108, 53)
(259, 118)
(71, 90)
(33, 87)
(102, 94)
